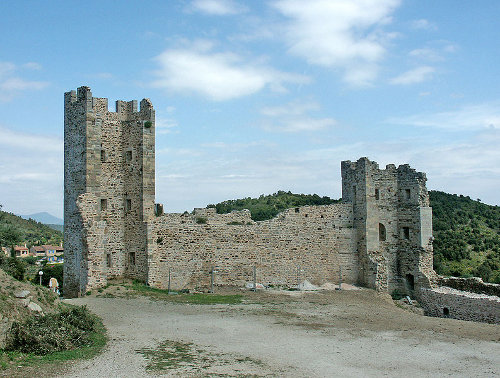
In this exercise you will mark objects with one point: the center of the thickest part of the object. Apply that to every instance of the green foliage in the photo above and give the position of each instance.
(56, 271)
(30, 260)
(14, 229)
(196, 298)
(13, 266)
(397, 295)
(467, 237)
(148, 124)
(267, 207)
(70, 328)
(201, 220)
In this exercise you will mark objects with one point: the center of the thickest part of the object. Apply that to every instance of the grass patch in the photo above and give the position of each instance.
(196, 298)
(191, 360)
(169, 355)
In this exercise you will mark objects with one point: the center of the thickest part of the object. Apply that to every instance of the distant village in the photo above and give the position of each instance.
(48, 253)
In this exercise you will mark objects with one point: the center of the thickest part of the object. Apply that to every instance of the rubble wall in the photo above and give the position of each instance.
(448, 302)
(308, 243)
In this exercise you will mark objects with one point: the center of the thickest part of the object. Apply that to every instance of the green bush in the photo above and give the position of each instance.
(14, 266)
(201, 220)
(70, 328)
(397, 295)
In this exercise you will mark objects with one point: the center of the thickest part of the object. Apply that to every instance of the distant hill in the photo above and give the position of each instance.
(44, 218)
(466, 232)
(57, 227)
(27, 231)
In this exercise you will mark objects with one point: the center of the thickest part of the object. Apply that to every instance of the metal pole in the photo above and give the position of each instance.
(298, 277)
(168, 280)
(212, 280)
(254, 278)
(340, 278)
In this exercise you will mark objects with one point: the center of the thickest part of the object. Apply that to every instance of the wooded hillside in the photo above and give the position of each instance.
(14, 229)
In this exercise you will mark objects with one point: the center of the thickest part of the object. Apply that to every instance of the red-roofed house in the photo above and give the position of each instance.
(21, 251)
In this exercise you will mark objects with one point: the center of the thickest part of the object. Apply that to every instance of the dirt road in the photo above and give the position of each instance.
(322, 334)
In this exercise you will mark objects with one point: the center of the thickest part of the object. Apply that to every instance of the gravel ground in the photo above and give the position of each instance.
(320, 334)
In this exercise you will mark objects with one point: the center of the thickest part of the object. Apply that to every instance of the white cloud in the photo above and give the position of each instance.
(6, 68)
(469, 117)
(343, 34)
(426, 54)
(33, 66)
(165, 125)
(414, 76)
(217, 7)
(423, 24)
(293, 117)
(11, 85)
(218, 76)
(29, 142)
(31, 172)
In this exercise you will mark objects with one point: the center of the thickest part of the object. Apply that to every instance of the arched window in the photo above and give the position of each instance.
(381, 232)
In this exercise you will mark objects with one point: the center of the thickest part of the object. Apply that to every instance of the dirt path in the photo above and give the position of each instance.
(348, 334)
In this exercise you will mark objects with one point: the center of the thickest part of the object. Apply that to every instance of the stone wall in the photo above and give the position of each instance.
(393, 222)
(306, 243)
(109, 189)
(472, 284)
(457, 304)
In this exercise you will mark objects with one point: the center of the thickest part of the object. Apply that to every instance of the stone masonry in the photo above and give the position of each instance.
(380, 236)
(109, 189)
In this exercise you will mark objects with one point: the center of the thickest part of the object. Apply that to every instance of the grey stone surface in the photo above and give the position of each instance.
(21, 294)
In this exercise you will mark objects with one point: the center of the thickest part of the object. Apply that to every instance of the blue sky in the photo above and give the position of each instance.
(257, 96)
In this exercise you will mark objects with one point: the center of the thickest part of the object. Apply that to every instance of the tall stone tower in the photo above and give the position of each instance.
(109, 189)
(393, 224)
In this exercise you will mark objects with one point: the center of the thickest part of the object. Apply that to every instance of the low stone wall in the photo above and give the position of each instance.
(308, 243)
(473, 284)
(448, 302)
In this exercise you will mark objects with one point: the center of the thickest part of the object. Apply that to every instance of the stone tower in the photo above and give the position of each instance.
(109, 189)
(393, 223)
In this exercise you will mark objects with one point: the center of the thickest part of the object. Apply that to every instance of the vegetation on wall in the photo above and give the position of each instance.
(267, 207)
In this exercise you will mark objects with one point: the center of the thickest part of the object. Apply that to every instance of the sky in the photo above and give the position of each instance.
(253, 97)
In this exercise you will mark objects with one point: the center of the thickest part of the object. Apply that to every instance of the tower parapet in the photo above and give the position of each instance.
(109, 180)
(393, 224)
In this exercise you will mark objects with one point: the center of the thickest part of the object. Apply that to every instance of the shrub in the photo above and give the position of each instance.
(201, 220)
(70, 328)
(397, 295)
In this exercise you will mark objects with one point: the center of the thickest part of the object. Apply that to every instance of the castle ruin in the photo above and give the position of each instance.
(379, 236)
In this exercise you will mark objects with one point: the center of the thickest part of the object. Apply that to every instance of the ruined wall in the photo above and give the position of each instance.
(109, 189)
(471, 284)
(309, 242)
(457, 304)
(393, 222)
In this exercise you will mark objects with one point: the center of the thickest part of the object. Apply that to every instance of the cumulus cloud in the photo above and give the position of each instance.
(217, 75)
(469, 117)
(413, 76)
(217, 7)
(342, 34)
(293, 117)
